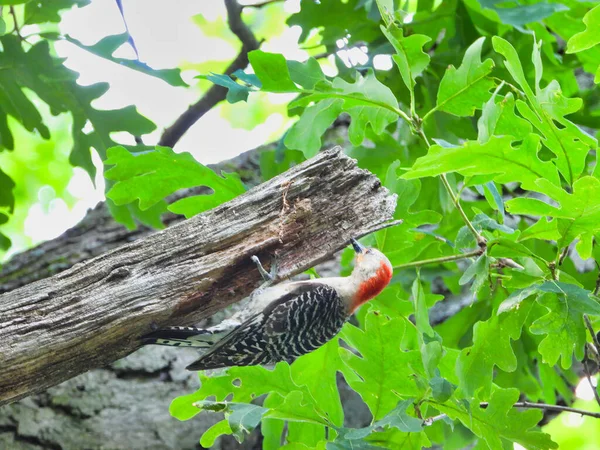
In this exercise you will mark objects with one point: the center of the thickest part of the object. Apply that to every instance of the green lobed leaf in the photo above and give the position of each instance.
(497, 157)
(578, 214)
(590, 36)
(108, 45)
(49, 10)
(499, 119)
(383, 368)
(500, 423)
(563, 324)
(542, 229)
(491, 347)
(410, 57)
(545, 107)
(306, 74)
(402, 243)
(235, 91)
(518, 15)
(465, 89)
(305, 135)
(368, 102)
(152, 176)
(272, 71)
(333, 19)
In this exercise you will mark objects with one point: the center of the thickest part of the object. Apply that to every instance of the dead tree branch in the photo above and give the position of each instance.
(95, 312)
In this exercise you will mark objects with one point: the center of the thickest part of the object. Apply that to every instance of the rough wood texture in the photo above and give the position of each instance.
(98, 232)
(94, 313)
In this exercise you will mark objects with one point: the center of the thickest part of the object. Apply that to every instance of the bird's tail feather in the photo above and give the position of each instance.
(181, 337)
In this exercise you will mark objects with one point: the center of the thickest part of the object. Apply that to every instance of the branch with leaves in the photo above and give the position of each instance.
(216, 93)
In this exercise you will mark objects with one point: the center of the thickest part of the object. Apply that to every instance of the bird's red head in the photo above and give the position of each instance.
(372, 273)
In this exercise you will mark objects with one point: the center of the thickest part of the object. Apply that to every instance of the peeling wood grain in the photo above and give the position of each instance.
(95, 312)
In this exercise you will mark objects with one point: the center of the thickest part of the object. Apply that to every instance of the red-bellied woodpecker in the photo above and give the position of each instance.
(284, 321)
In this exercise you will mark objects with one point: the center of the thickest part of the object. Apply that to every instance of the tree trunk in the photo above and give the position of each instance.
(94, 313)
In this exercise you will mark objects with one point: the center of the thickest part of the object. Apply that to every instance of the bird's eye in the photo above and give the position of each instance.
(369, 251)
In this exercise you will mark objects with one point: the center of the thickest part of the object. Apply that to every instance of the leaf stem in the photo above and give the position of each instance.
(442, 259)
(481, 241)
(429, 113)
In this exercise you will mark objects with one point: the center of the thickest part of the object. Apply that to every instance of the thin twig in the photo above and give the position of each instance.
(440, 260)
(563, 255)
(588, 375)
(16, 28)
(527, 405)
(588, 324)
(215, 94)
(261, 4)
(556, 408)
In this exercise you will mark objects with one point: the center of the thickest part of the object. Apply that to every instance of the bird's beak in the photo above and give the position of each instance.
(358, 248)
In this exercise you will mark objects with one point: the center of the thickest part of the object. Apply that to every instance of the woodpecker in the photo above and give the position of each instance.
(283, 321)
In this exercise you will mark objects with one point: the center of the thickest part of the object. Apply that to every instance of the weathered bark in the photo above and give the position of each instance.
(98, 232)
(94, 313)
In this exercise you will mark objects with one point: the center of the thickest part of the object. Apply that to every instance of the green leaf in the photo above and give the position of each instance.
(295, 408)
(578, 215)
(49, 10)
(497, 157)
(399, 418)
(150, 177)
(108, 45)
(520, 15)
(272, 71)
(305, 135)
(210, 436)
(368, 102)
(465, 89)
(564, 330)
(333, 19)
(306, 74)
(410, 57)
(235, 92)
(563, 324)
(244, 417)
(491, 347)
(441, 389)
(588, 38)
(545, 108)
(274, 162)
(403, 243)
(500, 423)
(542, 229)
(241, 417)
(383, 367)
(317, 373)
(479, 271)
(499, 119)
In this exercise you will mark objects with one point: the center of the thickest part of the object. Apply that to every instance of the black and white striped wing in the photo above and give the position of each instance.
(291, 326)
